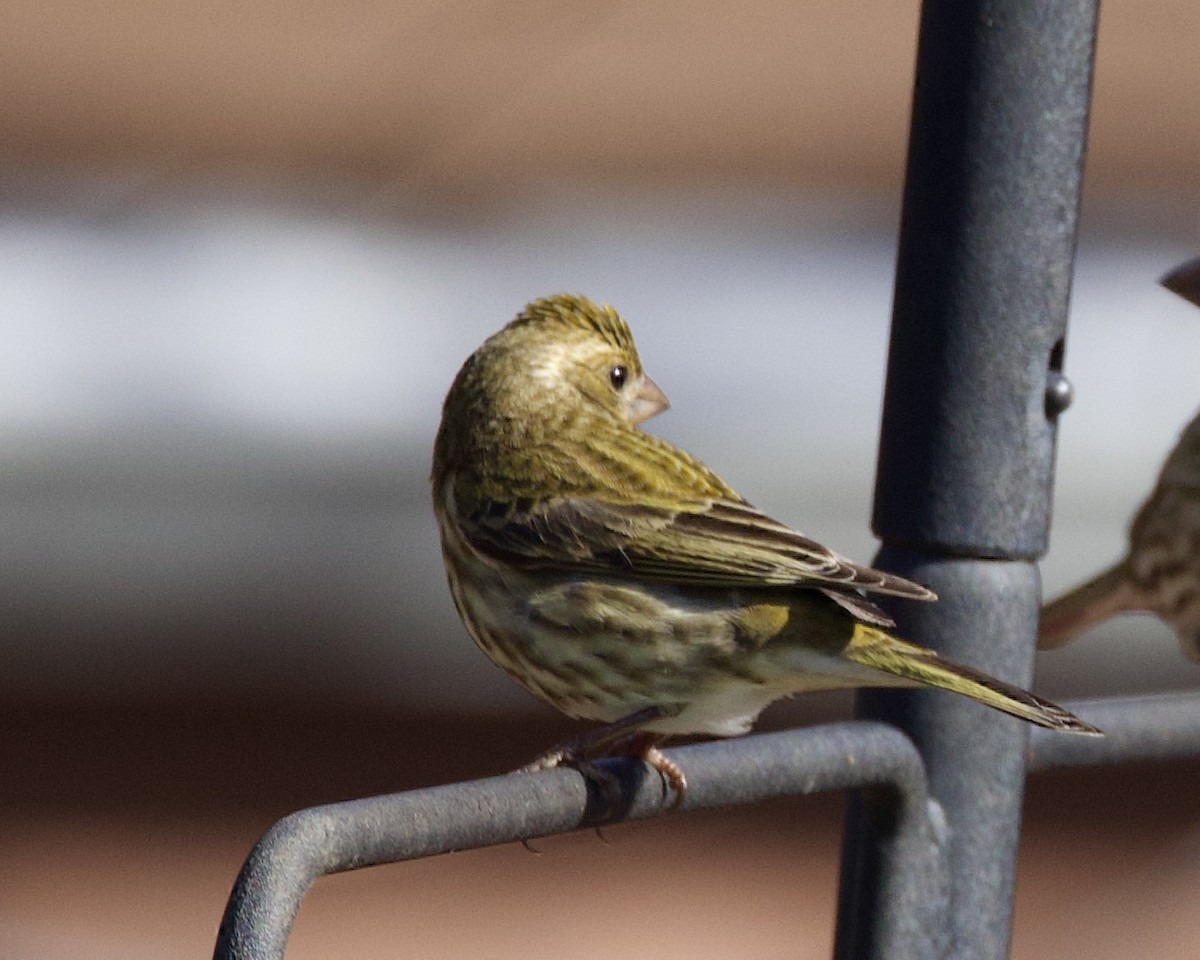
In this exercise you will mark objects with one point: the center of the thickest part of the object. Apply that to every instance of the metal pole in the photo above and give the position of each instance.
(962, 502)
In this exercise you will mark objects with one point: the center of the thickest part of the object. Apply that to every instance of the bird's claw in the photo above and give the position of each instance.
(676, 782)
(564, 756)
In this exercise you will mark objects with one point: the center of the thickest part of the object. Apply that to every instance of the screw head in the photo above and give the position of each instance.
(1059, 393)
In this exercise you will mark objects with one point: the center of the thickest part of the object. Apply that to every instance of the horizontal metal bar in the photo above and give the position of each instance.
(344, 836)
(1160, 727)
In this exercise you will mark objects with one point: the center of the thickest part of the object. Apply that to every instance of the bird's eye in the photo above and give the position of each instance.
(618, 375)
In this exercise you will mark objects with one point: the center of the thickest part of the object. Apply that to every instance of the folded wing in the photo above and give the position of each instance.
(723, 543)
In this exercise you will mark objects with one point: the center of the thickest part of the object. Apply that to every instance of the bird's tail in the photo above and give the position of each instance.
(872, 647)
(1090, 603)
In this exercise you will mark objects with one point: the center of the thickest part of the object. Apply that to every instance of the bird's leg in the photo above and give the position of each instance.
(594, 743)
(624, 737)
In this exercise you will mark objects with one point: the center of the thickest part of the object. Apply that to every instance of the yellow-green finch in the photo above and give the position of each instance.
(1160, 572)
(618, 578)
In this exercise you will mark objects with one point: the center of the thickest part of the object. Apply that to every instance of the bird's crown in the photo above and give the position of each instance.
(574, 312)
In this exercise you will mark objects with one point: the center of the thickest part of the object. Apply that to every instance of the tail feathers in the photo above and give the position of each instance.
(875, 648)
(1086, 606)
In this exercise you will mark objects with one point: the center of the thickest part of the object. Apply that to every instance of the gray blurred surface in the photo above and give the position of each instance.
(216, 421)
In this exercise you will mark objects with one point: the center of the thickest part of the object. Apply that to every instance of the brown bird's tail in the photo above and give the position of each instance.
(1086, 606)
(872, 647)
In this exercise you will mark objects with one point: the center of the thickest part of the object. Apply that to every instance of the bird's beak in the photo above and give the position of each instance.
(646, 401)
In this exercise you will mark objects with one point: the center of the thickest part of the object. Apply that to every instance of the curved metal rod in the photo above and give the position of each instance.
(311, 843)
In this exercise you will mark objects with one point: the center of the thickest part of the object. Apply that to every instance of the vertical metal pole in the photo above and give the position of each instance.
(962, 497)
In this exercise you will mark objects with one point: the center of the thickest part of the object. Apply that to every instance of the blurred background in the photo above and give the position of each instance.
(244, 247)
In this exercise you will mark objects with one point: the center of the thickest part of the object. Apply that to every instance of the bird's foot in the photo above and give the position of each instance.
(670, 770)
(570, 755)
(621, 739)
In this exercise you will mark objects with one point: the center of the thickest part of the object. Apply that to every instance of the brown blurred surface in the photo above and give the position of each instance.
(447, 102)
(124, 831)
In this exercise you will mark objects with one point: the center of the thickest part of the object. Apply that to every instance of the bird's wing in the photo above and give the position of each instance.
(713, 542)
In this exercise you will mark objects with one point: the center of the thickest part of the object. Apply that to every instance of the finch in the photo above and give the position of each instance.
(1160, 572)
(619, 579)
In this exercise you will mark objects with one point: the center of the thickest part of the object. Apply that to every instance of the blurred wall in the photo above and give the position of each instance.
(218, 422)
(244, 248)
(451, 104)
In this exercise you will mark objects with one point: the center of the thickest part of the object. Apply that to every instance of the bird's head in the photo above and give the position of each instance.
(563, 372)
(562, 354)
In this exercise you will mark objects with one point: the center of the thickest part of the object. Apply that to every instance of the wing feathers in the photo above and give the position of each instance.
(717, 543)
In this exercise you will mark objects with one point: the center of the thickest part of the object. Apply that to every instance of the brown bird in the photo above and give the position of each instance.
(1160, 573)
(621, 580)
